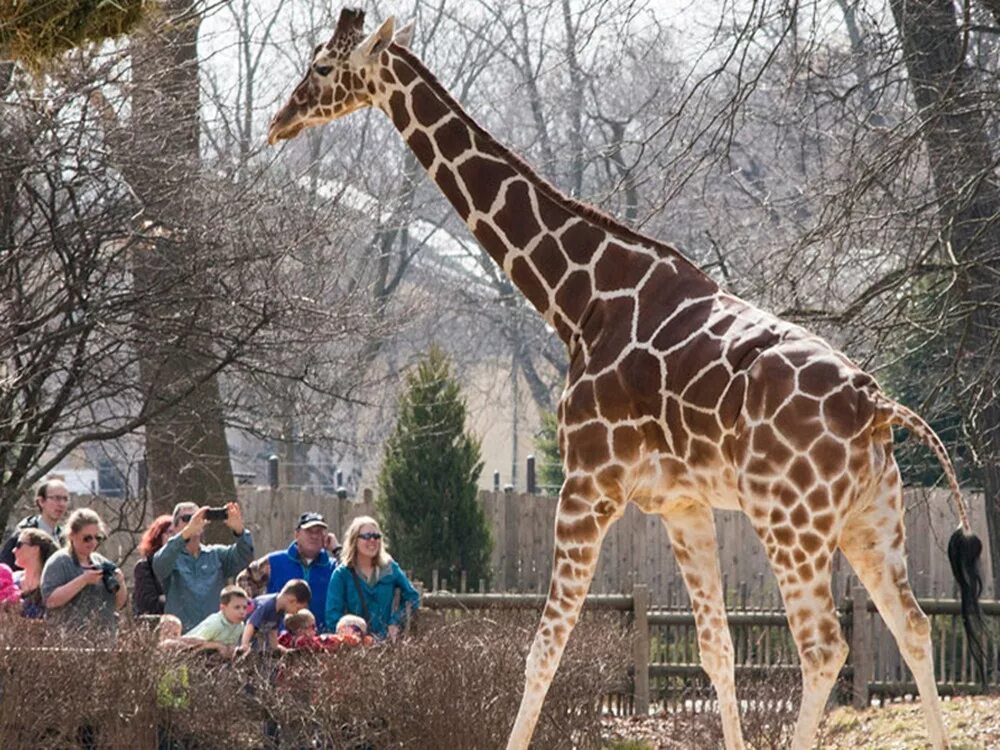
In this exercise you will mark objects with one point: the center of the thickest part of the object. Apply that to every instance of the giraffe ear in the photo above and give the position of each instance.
(372, 46)
(405, 35)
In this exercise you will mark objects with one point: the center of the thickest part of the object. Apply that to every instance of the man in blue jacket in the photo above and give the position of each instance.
(312, 556)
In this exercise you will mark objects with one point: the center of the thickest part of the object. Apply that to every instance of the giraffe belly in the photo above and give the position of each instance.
(662, 479)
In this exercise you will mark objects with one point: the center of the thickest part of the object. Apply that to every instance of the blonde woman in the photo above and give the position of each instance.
(365, 582)
(79, 586)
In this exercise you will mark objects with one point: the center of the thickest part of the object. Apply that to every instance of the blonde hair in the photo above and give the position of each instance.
(299, 621)
(349, 552)
(166, 624)
(348, 621)
(80, 519)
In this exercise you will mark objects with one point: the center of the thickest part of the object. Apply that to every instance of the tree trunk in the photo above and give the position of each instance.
(187, 456)
(968, 194)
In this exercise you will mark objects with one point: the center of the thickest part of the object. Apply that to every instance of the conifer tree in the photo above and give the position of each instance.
(550, 468)
(428, 483)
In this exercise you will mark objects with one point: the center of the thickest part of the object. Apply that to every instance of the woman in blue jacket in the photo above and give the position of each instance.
(365, 582)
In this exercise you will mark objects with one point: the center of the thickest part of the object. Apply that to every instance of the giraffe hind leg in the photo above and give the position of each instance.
(801, 560)
(873, 543)
(582, 519)
(691, 529)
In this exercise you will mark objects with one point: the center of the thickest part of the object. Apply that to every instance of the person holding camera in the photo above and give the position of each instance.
(193, 574)
(80, 587)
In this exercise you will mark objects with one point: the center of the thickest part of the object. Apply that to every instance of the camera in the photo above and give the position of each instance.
(216, 514)
(108, 570)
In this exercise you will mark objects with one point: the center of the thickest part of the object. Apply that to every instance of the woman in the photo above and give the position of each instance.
(32, 550)
(148, 596)
(366, 580)
(79, 585)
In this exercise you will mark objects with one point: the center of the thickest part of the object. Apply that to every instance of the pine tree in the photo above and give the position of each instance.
(428, 483)
(550, 468)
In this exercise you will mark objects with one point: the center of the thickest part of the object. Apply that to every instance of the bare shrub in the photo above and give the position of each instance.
(456, 686)
(769, 705)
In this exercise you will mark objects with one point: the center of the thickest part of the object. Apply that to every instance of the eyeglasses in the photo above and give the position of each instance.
(186, 518)
(369, 535)
(88, 538)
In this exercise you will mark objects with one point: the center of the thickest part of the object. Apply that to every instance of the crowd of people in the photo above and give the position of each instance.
(314, 595)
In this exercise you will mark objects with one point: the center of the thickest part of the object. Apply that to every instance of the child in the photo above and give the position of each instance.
(353, 631)
(168, 630)
(222, 631)
(300, 632)
(268, 613)
(172, 687)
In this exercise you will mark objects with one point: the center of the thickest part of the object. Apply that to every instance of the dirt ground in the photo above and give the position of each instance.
(973, 724)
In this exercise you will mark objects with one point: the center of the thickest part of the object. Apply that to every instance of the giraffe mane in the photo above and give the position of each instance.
(585, 210)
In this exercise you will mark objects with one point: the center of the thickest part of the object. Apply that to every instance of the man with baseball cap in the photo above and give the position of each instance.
(312, 556)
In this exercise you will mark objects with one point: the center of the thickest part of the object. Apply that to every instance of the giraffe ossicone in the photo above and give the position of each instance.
(680, 398)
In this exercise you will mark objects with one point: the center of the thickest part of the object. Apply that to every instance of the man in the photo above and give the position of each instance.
(193, 574)
(52, 499)
(311, 557)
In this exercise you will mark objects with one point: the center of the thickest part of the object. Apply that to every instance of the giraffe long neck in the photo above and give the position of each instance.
(556, 251)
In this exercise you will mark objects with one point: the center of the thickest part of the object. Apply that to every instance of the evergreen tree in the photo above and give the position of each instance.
(550, 468)
(428, 483)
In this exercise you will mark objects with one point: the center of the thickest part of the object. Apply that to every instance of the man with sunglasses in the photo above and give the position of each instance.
(52, 499)
(193, 574)
(311, 556)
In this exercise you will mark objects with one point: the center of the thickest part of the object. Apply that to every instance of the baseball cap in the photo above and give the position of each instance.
(308, 520)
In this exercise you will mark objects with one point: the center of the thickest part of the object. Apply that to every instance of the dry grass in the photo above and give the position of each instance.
(973, 724)
(455, 687)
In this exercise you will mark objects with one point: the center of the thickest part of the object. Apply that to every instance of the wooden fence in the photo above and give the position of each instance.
(636, 550)
(666, 669)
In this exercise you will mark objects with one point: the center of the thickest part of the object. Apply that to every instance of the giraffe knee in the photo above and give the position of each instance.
(824, 661)
(917, 623)
(917, 640)
(716, 658)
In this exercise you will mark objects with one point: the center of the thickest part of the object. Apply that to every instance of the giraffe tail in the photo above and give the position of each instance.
(964, 547)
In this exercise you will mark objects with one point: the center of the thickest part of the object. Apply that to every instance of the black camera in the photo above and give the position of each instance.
(108, 570)
(217, 514)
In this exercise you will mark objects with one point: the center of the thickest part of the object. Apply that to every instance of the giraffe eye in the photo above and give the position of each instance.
(323, 70)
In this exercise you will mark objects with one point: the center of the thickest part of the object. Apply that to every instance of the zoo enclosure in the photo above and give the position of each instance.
(665, 666)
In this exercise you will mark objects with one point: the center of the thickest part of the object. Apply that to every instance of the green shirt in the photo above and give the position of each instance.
(217, 629)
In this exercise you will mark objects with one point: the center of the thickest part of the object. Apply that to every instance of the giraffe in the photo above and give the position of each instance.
(680, 398)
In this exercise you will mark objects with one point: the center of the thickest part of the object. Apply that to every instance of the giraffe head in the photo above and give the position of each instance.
(341, 78)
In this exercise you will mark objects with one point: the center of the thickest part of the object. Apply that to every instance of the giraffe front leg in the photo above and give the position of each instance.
(582, 519)
(691, 529)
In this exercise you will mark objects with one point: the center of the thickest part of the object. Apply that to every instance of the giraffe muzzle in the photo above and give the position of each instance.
(283, 127)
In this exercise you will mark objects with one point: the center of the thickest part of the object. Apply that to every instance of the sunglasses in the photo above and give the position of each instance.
(186, 518)
(369, 535)
(22, 543)
(88, 538)
(356, 629)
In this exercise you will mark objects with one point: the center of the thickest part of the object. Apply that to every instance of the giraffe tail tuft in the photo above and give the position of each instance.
(963, 554)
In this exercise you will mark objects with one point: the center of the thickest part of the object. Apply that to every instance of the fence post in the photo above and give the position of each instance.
(512, 523)
(272, 471)
(640, 647)
(862, 652)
